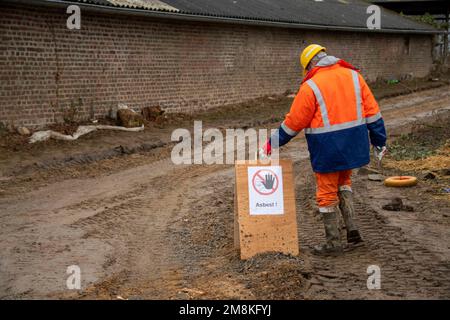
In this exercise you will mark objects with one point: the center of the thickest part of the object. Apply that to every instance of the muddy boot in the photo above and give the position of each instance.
(332, 246)
(340, 220)
(348, 211)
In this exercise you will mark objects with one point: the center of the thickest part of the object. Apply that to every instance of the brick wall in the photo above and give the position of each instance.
(46, 68)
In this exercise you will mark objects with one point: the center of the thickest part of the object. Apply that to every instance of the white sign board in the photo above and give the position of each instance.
(265, 189)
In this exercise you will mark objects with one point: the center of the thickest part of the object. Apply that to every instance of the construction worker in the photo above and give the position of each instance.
(340, 115)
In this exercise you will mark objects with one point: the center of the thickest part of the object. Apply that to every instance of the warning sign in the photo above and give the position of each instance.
(265, 190)
(265, 218)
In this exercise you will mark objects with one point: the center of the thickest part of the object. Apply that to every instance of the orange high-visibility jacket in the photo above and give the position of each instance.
(337, 109)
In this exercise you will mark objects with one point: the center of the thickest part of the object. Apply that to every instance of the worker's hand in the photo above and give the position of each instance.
(262, 155)
(379, 152)
(264, 152)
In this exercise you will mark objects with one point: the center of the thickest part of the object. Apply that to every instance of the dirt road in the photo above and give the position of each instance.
(139, 226)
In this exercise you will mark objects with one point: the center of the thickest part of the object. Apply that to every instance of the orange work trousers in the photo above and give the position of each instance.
(328, 186)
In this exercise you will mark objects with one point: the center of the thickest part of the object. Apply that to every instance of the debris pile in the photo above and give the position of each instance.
(396, 204)
(129, 118)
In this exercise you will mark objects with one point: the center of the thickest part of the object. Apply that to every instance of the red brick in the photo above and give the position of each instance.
(180, 66)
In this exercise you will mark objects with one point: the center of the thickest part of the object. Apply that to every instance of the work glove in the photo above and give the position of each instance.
(379, 152)
(265, 152)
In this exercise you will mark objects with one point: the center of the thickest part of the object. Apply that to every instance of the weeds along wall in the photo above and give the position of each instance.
(49, 73)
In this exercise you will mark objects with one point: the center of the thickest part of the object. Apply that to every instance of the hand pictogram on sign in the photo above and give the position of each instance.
(265, 182)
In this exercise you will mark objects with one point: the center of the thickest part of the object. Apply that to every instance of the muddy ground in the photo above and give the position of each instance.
(141, 227)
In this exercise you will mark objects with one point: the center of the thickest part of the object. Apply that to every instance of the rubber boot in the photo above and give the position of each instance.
(340, 220)
(332, 246)
(348, 212)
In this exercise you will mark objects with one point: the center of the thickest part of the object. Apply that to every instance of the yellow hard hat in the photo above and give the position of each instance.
(309, 53)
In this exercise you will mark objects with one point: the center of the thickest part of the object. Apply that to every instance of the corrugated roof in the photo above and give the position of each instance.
(150, 5)
(339, 14)
(146, 4)
(416, 7)
(342, 13)
(393, 1)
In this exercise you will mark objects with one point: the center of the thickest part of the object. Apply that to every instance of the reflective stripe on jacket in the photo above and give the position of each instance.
(336, 108)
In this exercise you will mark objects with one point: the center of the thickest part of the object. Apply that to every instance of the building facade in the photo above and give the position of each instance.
(182, 66)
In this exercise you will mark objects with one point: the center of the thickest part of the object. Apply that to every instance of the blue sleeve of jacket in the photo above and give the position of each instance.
(377, 133)
(281, 136)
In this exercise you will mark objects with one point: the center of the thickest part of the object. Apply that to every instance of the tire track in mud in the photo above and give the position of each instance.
(194, 248)
(175, 230)
(137, 224)
(201, 235)
(408, 270)
(132, 224)
(418, 98)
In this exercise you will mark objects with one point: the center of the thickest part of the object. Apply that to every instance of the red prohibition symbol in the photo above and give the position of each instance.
(265, 182)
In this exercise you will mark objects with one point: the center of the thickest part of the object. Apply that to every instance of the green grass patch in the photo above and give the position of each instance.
(423, 141)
